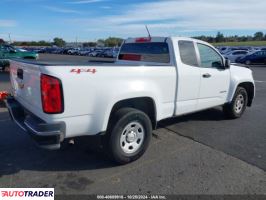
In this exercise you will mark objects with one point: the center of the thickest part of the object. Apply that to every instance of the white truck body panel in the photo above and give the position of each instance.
(175, 88)
(84, 92)
(238, 75)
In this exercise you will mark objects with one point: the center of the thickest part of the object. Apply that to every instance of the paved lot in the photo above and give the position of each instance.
(201, 153)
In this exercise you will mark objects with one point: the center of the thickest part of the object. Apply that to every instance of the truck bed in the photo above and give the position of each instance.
(55, 59)
(69, 60)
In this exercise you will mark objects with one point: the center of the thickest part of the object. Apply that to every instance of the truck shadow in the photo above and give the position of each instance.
(18, 152)
(213, 114)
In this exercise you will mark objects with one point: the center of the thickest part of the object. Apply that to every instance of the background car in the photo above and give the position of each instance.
(84, 52)
(8, 51)
(258, 57)
(95, 53)
(234, 55)
(226, 50)
(73, 51)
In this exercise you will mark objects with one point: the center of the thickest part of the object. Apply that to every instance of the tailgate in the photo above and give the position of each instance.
(25, 80)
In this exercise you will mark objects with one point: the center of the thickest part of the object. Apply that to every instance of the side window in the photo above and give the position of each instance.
(188, 53)
(209, 57)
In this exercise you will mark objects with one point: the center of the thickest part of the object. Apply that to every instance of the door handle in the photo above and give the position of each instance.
(207, 75)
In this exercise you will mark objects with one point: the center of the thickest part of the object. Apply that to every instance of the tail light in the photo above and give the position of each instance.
(52, 94)
(143, 40)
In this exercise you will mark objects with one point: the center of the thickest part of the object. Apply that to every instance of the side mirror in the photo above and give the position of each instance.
(217, 65)
(227, 63)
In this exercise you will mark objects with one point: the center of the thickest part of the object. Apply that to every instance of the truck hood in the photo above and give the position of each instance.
(240, 67)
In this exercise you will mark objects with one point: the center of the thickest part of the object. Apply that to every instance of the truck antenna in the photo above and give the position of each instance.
(148, 31)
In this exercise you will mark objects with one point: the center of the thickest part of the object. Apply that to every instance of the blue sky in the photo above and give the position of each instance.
(89, 20)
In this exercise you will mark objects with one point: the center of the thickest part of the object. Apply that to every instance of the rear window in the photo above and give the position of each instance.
(188, 53)
(145, 52)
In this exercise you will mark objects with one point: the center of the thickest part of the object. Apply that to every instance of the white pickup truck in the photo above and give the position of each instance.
(153, 79)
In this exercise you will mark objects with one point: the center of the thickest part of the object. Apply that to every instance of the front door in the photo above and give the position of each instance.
(215, 79)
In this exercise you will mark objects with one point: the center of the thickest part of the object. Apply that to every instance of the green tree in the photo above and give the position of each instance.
(59, 42)
(101, 42)
(219, 37)
(113, 41)
(31, 43)
(44, 43)
(258, 36)
(89, 44)
(2, 41)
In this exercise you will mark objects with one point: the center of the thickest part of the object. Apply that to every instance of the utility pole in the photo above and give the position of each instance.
(9, 36)
(76, 42)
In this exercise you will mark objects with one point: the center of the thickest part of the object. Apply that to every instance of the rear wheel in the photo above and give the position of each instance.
(129, 135)
(238, 105)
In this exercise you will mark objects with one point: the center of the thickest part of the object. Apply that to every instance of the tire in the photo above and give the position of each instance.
(237, 106)
(129, 134)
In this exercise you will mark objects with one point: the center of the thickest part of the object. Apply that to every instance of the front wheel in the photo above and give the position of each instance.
(129, 136)
(238, 105)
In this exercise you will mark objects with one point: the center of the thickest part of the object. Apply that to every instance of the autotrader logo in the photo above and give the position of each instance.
(27, 193)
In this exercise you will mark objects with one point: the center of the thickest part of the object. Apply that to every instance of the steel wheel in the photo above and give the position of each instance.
(239, 103)
(128, 135)
(132, 137)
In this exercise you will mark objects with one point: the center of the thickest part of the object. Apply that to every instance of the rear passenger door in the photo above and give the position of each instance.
(214, 78)
(188, 77)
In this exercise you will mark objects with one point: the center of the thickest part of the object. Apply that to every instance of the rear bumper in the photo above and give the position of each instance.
(48, 136)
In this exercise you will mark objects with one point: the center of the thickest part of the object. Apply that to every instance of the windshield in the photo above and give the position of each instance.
(145, 52)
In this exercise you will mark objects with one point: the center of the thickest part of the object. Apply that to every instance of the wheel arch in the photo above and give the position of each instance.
(144, 104)
(250, 88)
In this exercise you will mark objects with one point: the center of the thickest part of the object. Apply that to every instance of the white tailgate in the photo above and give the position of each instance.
(26, 89)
